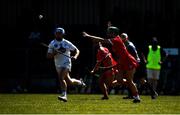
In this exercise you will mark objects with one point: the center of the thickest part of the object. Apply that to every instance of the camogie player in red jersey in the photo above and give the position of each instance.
(127, 64)
(105, 62)
(140, 75)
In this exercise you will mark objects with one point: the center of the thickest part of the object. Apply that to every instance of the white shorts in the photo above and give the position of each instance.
(65, 65)
(59, 68)
(153, 74)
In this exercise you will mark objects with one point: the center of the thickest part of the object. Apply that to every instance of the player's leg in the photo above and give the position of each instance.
(109, 79)
(74, 81)
(155, 82)
(106, 82)
(135, 79)
(129, 76)
(150, 77)
(152, 83)
(155, 78)
(118, 80)
(145, 83)
(103, 86)
(61, 76)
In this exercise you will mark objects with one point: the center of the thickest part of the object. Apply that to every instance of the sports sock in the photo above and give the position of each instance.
(64, 93)
(136, 96)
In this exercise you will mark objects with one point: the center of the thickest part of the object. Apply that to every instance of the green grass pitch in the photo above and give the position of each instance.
(86, 104)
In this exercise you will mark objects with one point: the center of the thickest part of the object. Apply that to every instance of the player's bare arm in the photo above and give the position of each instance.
(95, 38)
(96, 67)
(76, 54)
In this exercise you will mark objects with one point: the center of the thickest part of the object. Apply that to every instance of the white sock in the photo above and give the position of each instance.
(64, 93)
(136, 97)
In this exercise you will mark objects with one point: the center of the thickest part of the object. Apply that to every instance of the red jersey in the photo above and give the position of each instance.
(125, 60)
(105, 58)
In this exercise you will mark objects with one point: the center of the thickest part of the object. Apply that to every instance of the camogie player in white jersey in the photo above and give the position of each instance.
(60, 49)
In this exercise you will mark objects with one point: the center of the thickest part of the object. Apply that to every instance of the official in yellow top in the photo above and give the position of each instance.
(153, 63)
(154, 58)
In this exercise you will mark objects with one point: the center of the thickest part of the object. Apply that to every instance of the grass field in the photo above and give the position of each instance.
(86, 104)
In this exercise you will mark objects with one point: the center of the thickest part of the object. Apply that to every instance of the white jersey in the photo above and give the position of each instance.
(65, 47)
